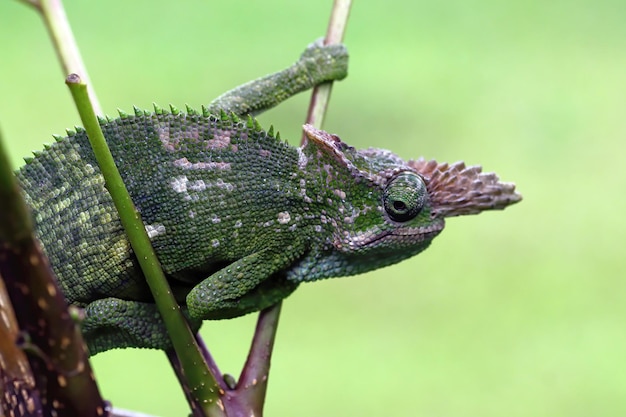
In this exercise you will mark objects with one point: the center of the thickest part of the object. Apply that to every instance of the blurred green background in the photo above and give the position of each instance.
(516, 313)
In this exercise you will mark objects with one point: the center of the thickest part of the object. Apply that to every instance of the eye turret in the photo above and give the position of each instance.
(405, 196)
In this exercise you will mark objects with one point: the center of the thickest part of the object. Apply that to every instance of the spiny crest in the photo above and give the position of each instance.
(174, 110)
(253, 124)
(257, 126)
(205, 111)
(456, 190)
(191, 111)
(158, 110)
(123, 115)
(138, 112)
(102, 120)
(36, 154)
(46, 147)
(70, 133)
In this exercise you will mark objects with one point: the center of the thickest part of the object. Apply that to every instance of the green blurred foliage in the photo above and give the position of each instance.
(519, 313)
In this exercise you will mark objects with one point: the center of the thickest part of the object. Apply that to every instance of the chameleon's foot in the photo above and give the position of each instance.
(263, 296)
(112, 323)
(325, 62)
(317, 64)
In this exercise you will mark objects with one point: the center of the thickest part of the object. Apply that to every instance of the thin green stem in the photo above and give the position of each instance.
(203, 385)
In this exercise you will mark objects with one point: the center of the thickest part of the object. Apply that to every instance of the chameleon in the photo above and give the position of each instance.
(237, 217)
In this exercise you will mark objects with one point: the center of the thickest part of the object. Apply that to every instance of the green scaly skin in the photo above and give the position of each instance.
(237, 217)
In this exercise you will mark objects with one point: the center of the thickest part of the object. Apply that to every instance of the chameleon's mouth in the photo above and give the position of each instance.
(398, 237)
(424, 232)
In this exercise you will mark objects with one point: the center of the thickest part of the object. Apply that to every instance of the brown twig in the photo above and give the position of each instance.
(321, 93)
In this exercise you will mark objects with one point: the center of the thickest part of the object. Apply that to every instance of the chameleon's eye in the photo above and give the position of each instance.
(404, 197)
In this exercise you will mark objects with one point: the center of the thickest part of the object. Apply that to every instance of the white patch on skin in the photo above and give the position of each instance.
(268, 223)
(163, 129)
(198, 185)
(318, 228)
(185, 164)
(305, 197)
(184, 186)
(302, 159)
(358, 239)
(62, 205)
(179, 184)
(224, 185)
(72, 155)
(339, 193)
(215, 243)
(192, 214)
(238, 224)
(293, 227)
(215, 219)
(89, 169)
(171, 139)
(265, 153)
(154, 230)
(221, 140)
(284, 217)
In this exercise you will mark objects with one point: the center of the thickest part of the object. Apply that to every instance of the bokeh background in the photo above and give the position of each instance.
(516, 313)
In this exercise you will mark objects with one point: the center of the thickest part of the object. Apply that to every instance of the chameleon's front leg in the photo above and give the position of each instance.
(112, 323)
(318, 64)
(243, 286)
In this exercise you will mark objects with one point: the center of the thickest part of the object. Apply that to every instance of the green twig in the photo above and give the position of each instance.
(203, 385)
(68, 53)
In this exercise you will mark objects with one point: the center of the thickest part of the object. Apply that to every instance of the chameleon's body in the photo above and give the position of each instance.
(237, 218)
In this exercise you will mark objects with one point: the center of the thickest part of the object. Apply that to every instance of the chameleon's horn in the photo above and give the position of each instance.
(457, 190)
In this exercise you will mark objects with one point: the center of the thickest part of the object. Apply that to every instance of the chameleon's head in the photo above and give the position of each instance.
(390, 209)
